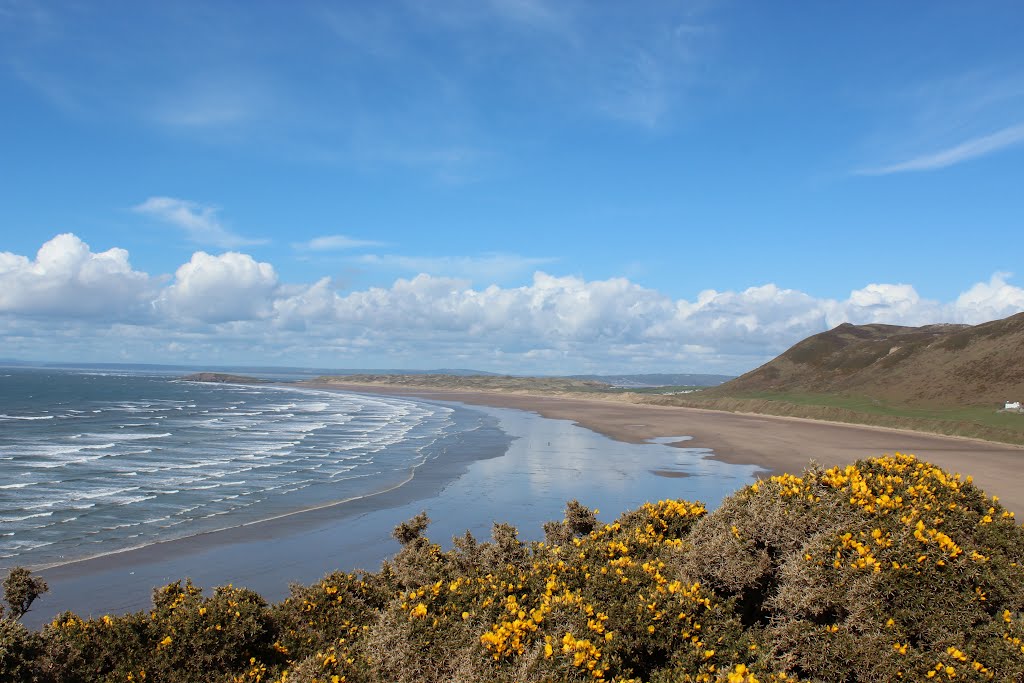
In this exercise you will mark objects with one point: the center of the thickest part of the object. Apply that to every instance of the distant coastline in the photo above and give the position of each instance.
(809, 407)
(222, 378)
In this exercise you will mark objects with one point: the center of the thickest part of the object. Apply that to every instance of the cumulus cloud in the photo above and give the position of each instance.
(216, 289)
(230, 308)
(199, 222)
(574, 319)
(989, 300)
(67, 278)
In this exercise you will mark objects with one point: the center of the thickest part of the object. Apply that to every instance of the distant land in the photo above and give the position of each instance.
(222, 378)
(657, 380)
(945, 379)
(624, 381)
(238, 369)
(949, 379)
(491, 383)
(621, 387)
(934, 365)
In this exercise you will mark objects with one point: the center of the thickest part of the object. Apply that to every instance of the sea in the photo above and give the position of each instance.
(98, 462)
(113, 483)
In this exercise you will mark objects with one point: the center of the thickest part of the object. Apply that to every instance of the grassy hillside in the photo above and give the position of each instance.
(937, 366)
(889, 569)
(946, 379)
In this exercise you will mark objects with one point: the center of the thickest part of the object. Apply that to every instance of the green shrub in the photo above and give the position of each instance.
(20, 590)
(889, 569)
(105, 649)
(19, 650)
(195, 637)
(886, 569)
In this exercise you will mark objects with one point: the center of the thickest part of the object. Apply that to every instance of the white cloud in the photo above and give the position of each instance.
(297, 306)
(335, 242)
(965, 151)
(230, 308)
(485, 267)
(67, 278)
(199, 222)
(989, 300)
(885, 303)
(215, 289)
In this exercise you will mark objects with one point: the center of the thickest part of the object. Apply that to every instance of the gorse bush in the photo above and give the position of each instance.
(20, 590)
(885, 570)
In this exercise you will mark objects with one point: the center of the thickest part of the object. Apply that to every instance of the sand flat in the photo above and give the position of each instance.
(777, 444)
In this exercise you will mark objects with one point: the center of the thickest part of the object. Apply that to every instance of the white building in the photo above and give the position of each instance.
(1012, 405)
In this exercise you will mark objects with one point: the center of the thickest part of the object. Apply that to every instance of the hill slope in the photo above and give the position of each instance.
(934, 365)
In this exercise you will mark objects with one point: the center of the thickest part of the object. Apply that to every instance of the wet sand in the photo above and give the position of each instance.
(776, 444)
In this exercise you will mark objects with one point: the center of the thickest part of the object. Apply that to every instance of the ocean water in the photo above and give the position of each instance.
(149, 479)
(93, 463)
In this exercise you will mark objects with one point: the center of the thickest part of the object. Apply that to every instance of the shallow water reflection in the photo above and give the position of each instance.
(553, 461)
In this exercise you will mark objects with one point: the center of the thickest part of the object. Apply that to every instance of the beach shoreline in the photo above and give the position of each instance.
(770, 444)
(166, 560)
(525, 479)
(774, 443)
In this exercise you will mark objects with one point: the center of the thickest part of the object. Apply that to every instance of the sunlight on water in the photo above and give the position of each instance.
(97, 462)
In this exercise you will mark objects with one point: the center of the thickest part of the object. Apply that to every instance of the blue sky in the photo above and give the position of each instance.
(512, 185)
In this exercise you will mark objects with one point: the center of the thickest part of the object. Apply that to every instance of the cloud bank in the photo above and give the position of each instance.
(72, 303)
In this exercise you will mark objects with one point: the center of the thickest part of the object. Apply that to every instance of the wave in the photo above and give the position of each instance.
(8, 520)
(130, 500)
(130, 436)
(271, 447)
(26, 417)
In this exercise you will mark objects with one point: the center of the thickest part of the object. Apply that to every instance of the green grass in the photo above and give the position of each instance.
(980, 422)
(989, 417)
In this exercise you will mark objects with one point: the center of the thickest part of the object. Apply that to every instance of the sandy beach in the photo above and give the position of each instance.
(776, 444)
(609, 454)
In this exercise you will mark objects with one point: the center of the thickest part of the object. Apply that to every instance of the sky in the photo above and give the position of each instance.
(519, 186)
